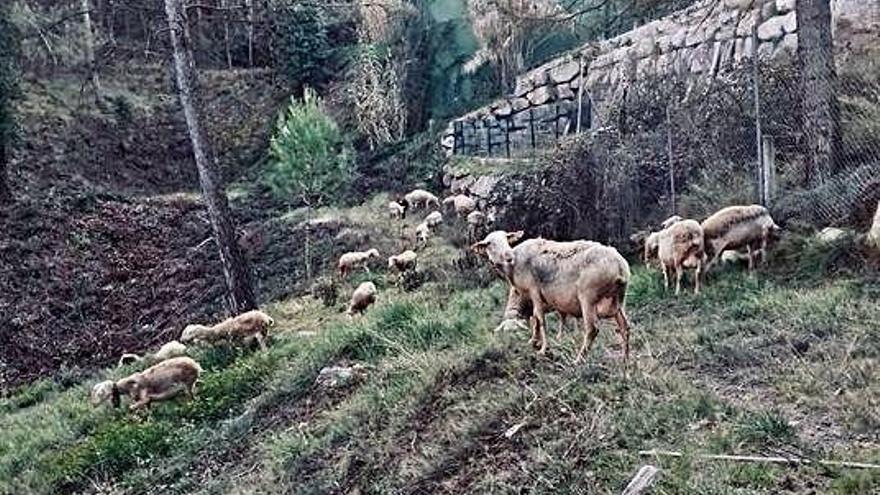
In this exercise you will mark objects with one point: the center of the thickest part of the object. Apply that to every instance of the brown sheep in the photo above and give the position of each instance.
(579, 278)
(737, 227)
(349, 260)
(404, 261)
(681, 246)
(419, 198)
(159, 382)
(246, 326)
(362, 298)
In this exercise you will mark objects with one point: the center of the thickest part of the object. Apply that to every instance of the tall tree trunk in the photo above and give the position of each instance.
(226, 34)
(239, 291)
(818, 85)
(90, 49)
(250, 21)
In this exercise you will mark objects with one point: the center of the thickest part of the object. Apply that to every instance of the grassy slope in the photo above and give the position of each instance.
(753, 366)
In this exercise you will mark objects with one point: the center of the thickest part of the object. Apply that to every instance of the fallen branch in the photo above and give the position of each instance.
(767, 460)
(642, 480)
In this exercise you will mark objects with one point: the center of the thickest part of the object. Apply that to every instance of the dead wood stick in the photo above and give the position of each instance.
(769, 460)
(642, 480)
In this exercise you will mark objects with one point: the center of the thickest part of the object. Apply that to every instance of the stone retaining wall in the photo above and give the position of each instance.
(708, 38)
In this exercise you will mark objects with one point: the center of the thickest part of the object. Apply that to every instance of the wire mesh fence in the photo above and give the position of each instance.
(755, 133)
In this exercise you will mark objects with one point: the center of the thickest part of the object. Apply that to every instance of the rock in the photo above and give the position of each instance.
(564, 92)
(459, 185)
(502, 109)
(700, 59)
(747, 24)
(769, 10)
(340, 376)
(831, 234)
(519, 104)
(523, 85)
(484, 186)
(786, 50)
(774, 28)
(784, 6)
(738, 4)
(541, 95)
(565, 71)
(789, 22)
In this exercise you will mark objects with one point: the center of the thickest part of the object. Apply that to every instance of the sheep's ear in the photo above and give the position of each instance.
(513, 237)
(480, 247)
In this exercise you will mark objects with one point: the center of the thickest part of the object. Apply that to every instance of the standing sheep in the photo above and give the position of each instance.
(434, 219)
(362, 298)
(404, 261)
(246, 326)
(579, 278)
(423, 233)
(396, 210)
(348, 261)
(477, 222)
(461, 204)
(419, 198)
(167, 351)
(681, 246)
(737, 227)
(159, 382)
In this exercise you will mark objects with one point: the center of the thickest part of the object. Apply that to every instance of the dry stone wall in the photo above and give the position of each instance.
(701, 41)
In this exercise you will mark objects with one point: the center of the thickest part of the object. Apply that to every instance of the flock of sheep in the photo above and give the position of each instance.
(583, 279)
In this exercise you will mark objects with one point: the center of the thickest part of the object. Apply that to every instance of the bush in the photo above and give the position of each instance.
(311, 160)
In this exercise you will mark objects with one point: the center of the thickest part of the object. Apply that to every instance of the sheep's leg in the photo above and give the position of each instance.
(751, 258)
(623, 330)
(697, 274)
(261, 340)
(678, 274)
(562, 318)
(540, 334)
(590, 329)
(143, 400)
(665, 275)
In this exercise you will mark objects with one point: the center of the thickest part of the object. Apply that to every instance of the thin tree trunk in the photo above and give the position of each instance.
(90, 49)
(818, 83)
(250, 22)
(239, 291)
(226, 35)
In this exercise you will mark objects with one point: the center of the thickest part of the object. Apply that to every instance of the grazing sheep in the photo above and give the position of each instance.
(419, 198)
(167, 351)
(579, 278)
(246, 326)
(349, 260)
(403, 261)
(396, 210)
(652, 245)
(669, 221)
(362, 298)
(737, 227)
(461, 204)
(159, 382)
(434, 219)
(423, 233)
(681, 246)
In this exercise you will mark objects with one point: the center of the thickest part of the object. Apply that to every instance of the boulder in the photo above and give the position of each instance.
(785, 6)
(566, 71)
(541, 95)
(774, 28)
(340, 376)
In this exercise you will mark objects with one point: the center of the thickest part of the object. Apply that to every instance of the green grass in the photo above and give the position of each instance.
(755, 365)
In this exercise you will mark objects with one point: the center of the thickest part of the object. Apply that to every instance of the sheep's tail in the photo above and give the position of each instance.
(129, 358)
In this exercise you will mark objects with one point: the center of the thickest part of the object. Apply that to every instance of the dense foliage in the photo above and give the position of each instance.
(311, 160)
(8, 89)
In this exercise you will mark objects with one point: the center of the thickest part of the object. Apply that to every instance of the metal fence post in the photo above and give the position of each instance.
(507, 136)
(488, 138)
(769, 170)
(758, 133)
(532, 127)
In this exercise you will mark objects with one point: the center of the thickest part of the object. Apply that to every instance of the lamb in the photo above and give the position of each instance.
(423, 233)
(362, 298)
(167, 351)
(159, 382)
(681, 246)
(462, 205)
(419, 198)
(349, 260)
(246, 326)
(396, 210)
(579, 278)
(434, 219)
(737, 227)
(403, 261)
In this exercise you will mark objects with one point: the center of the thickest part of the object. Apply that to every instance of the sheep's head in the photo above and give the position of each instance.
(373, 253)
(391, 262)
(191, 332)
(669, 221)
(496, 247)
(103, 392)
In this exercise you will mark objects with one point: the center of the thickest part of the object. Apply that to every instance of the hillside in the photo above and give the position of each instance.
(765, 365)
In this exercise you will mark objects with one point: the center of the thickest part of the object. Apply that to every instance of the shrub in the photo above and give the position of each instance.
(311, 160)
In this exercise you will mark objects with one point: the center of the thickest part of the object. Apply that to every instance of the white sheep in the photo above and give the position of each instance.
(579, 278)
(404, 261)
(652, 244)
(159, 382)
(669, 221)
(737, 227)
(423, 233)
(246, 326)
(434, 219)
(461, 204)
(167, 351)
(362, 298)
(396, 210)
(348, 261)
(681, 246)
(477, 221)
(419, 198)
